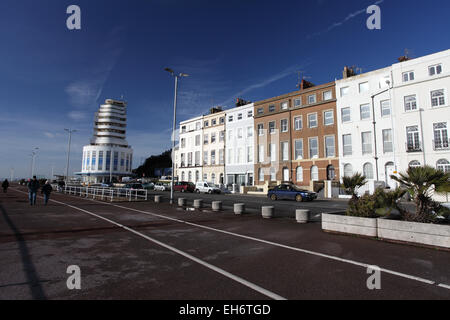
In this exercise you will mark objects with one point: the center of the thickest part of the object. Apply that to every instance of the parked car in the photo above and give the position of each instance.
(149, 186)
(159, 186)
(184, 186)
(207, 187)
(134, 186)
(291, 192)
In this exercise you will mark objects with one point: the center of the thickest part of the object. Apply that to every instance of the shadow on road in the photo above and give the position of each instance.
(33, 281)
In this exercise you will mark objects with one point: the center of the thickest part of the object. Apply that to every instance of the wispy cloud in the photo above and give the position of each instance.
(340, 23)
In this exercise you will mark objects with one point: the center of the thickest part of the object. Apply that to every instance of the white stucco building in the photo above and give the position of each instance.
(189, 154)
(239, 163)
(366, 126)
(108, 156)
(213, 142)
(421, 96)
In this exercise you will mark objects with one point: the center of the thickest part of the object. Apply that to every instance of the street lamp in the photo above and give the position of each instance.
(70, 131)
(180, 75)
(33, 155)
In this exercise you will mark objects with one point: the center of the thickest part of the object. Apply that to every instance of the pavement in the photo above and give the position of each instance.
(143, 250)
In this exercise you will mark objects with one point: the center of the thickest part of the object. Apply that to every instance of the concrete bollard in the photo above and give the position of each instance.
(198, 203)
(267, 212)
(239, 208)
(158, 199)
(182, 202)
(302, 216)
(216, 206)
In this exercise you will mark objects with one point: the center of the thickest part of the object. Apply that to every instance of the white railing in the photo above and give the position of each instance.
(104, 193)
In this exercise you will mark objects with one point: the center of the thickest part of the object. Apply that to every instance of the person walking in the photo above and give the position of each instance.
(5, 185)
(46, 191)
(33, 187)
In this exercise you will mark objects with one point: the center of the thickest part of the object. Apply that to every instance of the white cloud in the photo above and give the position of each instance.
(77, 115)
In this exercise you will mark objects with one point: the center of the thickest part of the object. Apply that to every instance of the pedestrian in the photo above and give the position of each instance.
(5, 185)
(46, 190)
(33, 187)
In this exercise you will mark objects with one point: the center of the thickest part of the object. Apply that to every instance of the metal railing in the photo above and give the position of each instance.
(439, 145)
(105, 193)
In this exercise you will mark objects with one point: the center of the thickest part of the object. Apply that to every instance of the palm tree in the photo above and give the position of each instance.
(419, 182)
(353, 183)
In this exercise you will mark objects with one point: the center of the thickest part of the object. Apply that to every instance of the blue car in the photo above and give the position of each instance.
(291, 192)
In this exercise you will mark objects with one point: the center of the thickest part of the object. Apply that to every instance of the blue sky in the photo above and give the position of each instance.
(54, 78)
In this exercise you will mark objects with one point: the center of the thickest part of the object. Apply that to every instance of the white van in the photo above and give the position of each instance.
(206, 187)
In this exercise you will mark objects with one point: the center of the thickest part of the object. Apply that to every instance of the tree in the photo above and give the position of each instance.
(420, 182)
(163, 160)
(353, 183)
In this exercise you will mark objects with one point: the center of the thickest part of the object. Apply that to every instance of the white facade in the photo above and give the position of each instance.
(213, 160)
(108, 155)
(421, 96)
(239, 147)
(189, 155)
(357, 132)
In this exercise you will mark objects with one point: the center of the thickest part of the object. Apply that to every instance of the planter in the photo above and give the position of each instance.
(158, 199)
(267, 212)
(302, 216)
(198, 204)
(351, 225)
(239, 208)
(182, 202)
(421, 233)
(216, 206)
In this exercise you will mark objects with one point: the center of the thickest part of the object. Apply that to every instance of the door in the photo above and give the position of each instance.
(286, 177)
(389, 170)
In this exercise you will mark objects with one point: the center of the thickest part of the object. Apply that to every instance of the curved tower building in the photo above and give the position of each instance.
(108, 157)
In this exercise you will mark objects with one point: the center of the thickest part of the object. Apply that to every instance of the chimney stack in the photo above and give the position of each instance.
(348, 72)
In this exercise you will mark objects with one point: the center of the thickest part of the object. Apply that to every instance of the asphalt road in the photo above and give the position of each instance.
(145, 250)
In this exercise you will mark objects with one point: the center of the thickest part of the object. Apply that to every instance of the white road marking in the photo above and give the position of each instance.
(227, 274)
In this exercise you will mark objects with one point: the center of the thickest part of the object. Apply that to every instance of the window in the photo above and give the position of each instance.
(239, 156)
(312, 99)
(330, 150)
(387, 141)
(285, 151)
(440, 136)
(260, 154)
(198, 126)
(182, 176)
(249, 154)
(284, 125)
(312, 120)
(221, 156)
(230, 156)
(433, 70)
(273, 174)
(366, 142)
(284, 106)
(197, 175)
(183, 129)
(347, 144)
(205, 177)
(365, 111)
(222, 120)
(213, 157)
(240, 116)
(414, 164)
(364, 87)
(221, 136)
(230, 118)
(197, 158)
(249, 132)
(346, 116)
(260, 111)
(412, 139)
(314, 173)
(240, 133)
(261, 175)
(190, 159)
(213, 122)
(327, 95)
(344, 91)
(250, 114)
(299, 174)
(368, 170)
(273, 152)
(272, 127)
(183, 142)
(108, 160)
(443, 165)
(313, 147)
(298, 123)
(385, 108)
(331, 172)
(116, 160)
(348, 170)
(205, 158)
(298, 144)
(437, 98)
(328, 118)
(410, 103)
(93, 163)
(182, 160)
(297, 102)
(230, 135)
(408, 76)
(260, 129)
(205, 138)
(206, 124)
(271, 108)
(197, 140)
(286, 174)
(190, 176)
(213, 177)
(100, 161)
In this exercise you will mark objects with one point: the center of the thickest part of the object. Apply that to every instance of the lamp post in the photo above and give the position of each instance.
(70, 131)
(33, 155)
(375, 131)
(180, 75)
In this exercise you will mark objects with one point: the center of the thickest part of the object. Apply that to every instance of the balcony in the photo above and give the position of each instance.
(414, 147)
(440, 145)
